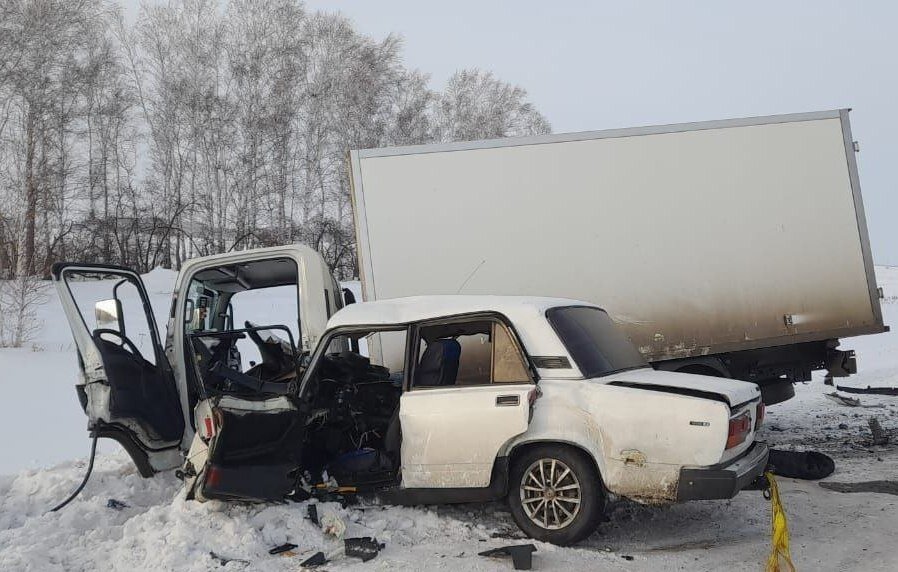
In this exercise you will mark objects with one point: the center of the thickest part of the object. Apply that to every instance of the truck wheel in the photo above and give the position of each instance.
(555, 494)
(777, 391)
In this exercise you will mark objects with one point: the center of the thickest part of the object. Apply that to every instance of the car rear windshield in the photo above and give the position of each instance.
(593, 340)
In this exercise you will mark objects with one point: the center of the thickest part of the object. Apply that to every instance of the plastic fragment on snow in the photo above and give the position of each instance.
(285, 549)
(364, 548)
(314, 560)
(869, 390)
(521, 555)
(116, 504)
(312, 514)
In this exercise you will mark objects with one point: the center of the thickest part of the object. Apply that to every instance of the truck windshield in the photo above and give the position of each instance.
(593, 340)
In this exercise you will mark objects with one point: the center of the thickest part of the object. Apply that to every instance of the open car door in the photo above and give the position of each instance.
(126, 386)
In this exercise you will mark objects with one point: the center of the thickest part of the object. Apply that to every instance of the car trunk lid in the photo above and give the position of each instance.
(734, 392)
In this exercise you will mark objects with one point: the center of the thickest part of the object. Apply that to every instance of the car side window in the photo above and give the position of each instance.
(467, 353)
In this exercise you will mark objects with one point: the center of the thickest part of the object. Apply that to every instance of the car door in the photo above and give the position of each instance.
(126, 387)
(470, 392)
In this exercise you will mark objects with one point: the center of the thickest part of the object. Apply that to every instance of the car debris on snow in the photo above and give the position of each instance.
(285, 549)
(116, 504)
(314, 560)
(364, 548)
(521, 555)
(843, 400)
(869, 390)
(851, 401)
(312, 514)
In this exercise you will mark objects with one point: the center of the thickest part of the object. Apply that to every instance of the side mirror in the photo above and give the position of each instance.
(348, 297)
(109, 314)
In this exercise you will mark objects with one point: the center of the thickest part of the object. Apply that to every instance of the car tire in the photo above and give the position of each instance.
(564, 508)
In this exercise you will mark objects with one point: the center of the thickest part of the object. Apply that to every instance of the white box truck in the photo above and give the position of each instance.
(735, 248)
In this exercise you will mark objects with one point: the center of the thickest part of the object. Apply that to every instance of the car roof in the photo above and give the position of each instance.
(421, 308)
(527, 315)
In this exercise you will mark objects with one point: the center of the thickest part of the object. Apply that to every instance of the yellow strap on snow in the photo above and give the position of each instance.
(779, 531)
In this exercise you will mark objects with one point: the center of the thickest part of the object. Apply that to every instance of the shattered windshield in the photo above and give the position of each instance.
(596, 344)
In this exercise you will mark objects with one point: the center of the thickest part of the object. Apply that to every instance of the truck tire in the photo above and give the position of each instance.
(776, 391)
(555, 494)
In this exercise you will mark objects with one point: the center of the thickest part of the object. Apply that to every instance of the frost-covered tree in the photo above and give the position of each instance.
(477, 105)
(20, 299)
(206, 126)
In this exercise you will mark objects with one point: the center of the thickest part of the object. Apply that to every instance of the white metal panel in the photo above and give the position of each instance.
(698, 240)
(451, 436)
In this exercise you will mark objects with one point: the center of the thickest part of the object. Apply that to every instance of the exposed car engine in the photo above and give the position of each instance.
(352, 413)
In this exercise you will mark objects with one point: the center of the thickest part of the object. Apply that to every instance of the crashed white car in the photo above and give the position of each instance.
(426, 400)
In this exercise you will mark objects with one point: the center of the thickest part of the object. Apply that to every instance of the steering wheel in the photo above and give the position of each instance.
(124, 342)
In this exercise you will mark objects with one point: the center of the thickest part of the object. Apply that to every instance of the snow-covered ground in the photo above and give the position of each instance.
(42, 426)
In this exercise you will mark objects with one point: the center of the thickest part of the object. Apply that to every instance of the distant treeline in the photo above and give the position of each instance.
(199, 128)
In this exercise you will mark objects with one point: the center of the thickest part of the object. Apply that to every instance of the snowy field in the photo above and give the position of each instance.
(43, 427)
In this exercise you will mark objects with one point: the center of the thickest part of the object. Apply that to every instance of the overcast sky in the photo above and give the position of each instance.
(599, 65)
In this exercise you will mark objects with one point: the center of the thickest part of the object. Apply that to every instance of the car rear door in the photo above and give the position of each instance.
(470, 392)
(126, 386)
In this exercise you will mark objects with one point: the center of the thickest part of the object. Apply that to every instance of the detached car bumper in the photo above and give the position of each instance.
(723, 481)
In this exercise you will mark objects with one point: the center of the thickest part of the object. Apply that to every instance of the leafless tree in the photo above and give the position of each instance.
(20, 299)
(476, 105)
(206, 126)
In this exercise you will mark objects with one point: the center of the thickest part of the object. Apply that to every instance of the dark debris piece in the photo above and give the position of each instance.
(314, 560)
(521, 555)
(312, 514)
(364, 548)
(870, 390)
(116, 504)
(285, 547)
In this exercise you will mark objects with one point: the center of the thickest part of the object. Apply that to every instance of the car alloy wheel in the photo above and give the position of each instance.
(550, 494)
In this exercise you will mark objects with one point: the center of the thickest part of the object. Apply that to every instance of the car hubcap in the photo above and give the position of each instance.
(550, 494)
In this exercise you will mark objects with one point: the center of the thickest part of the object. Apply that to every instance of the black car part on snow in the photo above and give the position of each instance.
(90, 468)
(521, 555)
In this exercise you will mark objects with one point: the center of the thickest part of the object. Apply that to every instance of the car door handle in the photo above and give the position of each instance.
(508, 400)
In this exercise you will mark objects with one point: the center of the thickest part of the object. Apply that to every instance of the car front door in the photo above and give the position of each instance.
(470, 392)
(126, 386)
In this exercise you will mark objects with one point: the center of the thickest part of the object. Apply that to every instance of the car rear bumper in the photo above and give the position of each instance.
(723, 482)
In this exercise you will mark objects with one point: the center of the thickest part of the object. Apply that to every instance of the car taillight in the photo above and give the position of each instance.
(207, 429)
(213, 476)
(759, 417)
(740, 427)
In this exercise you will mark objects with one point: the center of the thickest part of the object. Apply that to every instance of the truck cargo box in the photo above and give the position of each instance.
(699, 238)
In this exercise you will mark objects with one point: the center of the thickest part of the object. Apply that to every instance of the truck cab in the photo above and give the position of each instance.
(141, 391)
